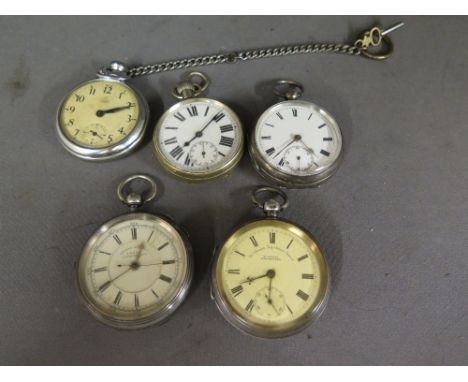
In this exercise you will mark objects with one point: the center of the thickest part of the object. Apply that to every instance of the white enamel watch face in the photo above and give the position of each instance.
(134, 270)
(298, 139)
(199, 139)
(102, 119)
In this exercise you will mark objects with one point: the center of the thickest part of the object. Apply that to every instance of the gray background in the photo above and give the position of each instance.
(392, 220)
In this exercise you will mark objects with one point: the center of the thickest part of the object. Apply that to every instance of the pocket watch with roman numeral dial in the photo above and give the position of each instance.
(104, 118)
(295, 144)
(270, 278)
(136, 269)
(198, 139)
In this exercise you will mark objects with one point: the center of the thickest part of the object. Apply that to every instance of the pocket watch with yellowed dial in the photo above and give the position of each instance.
(136, 269)
(295, 143)
(270, 277)
(198, 139)
(104, 118)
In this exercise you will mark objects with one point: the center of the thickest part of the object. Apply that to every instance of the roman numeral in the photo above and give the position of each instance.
(269, 124)
(302, 294)
(187, 160)
(287, 247)
(328, 139)
(220, 153)
(165, 262)
(170, 141)
(177, 152)
(117, 239)
(239, 253)
(179, 116)
(250, 306)
(137, 301)
(325, 152)
(322, 125)
(266, 137)
(105, 253)
(302, 258)
(281, 162)
(104, 286)
(226, 141)
(234, 271)
(149, 237)
(117, 298)
(226, 128)
(309, 116)
(237, 290)
(165, 278)
(192, 111)
(171, 128)
(270, 151)
(308, 276)
(279, 115)
(294, 112)
(102, 269)
(206, 111)
(272, 237)
(254, 241)
(134, 233)
(162, 246)
(218, 117)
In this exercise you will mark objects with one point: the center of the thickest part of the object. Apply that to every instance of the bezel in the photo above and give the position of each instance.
(282, 178)
(263, 331)
(153, 319)
(117, 150)
(198, 176)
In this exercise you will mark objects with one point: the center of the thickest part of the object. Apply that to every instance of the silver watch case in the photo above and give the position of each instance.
(284, 179)
(164, 314)
(118, 150)
(255, 330)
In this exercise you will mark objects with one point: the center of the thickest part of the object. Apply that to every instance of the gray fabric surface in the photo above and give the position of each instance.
(392, 221)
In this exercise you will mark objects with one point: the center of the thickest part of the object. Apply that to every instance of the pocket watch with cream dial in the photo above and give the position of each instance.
(270, 277)
(136, 269)
(104, 118)
(198, 139)
(295, 144)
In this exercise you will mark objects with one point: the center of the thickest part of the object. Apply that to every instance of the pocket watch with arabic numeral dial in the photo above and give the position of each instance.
(136, 269)
(104, 118)
(295, 143)
(270, 278)
(198, 139)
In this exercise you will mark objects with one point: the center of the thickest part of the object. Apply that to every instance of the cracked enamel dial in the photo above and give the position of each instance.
(132, 269)
(101, 119)
(199, 139)
(270, 278)
(296, 143)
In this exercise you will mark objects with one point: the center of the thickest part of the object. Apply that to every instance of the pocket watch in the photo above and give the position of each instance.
(136, 269)
(270, 278)
(295, 143)
(198, 139)
(104, 118)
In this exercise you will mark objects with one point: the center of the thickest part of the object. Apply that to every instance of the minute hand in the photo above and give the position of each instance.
(295, 138)
(100, 113)
(199, 133)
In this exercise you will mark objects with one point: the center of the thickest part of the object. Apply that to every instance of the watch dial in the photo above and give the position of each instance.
(199, 136)
(133, 269)
(271, 274)
(298, 138)
(99, 113)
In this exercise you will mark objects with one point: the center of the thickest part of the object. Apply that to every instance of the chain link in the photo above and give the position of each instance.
(246, 55)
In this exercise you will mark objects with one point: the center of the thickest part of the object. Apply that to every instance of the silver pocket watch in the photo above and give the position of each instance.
(295, 143)
(136, 269)
(198, 139)
(269, 277)
(104, 118)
